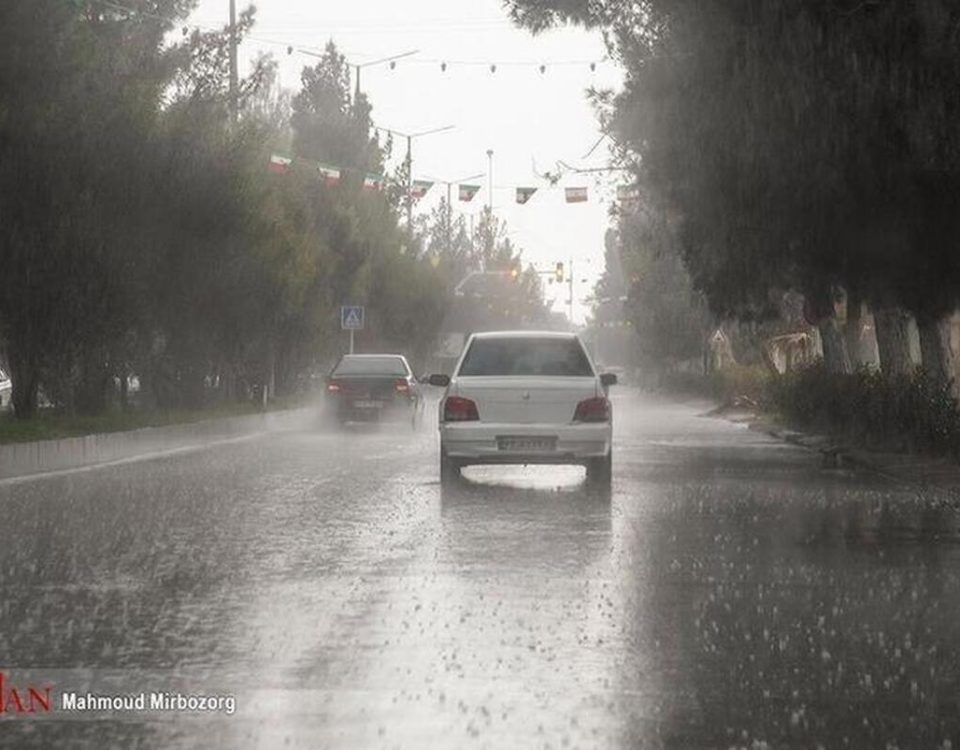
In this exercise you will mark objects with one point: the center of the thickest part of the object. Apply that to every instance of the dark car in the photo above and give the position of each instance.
(374, 388)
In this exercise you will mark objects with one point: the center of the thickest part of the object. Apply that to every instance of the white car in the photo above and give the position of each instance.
(525, 397)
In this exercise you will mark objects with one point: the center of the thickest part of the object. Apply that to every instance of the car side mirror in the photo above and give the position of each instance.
(607, 379)
(441, 381)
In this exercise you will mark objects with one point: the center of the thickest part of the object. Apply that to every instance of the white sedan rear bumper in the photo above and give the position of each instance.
(483, 442)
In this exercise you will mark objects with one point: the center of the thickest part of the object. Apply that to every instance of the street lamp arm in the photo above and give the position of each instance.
(431, 132)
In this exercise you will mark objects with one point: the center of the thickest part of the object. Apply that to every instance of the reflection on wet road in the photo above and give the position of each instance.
(729, 593)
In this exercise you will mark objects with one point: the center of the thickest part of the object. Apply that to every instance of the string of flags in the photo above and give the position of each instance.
(466, 192)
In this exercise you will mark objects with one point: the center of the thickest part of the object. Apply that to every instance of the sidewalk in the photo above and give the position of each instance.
(902, 468)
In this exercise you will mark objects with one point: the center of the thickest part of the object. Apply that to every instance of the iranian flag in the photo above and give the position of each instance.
(576, 194)
(466, 192)
(279, 164)
(373, 182)
(524, 194)
(419, 189)
(329, 175)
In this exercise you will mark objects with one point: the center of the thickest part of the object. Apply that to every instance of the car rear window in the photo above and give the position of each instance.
(371, 366)
(526, 356)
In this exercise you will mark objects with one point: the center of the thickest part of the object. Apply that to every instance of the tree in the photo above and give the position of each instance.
(330, 128)
(792, 141)
(141, 232)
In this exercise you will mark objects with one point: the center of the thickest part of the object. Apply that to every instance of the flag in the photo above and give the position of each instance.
(466, 192)
(373, 182)
(628, 193)
(330, 175)
(279, 164)
(420, 188)
(524, 194)
(576, 194)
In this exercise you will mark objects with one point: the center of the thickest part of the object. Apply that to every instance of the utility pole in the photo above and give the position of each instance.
(410, 189)
(449, 215)
(234, 76)
(490, 180)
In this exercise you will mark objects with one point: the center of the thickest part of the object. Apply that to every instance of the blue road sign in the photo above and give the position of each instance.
(351, 317)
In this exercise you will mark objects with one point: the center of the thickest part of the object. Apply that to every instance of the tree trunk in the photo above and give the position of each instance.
(124, 390)
(835, 356)
(25, 382)
(940, 352)
(893, 342)
(91, 391)
(854, 328)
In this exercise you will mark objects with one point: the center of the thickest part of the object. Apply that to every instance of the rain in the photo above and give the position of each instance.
(509, 374)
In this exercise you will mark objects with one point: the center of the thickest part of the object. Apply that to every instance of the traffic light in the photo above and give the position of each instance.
(514, 272)
(558, 273)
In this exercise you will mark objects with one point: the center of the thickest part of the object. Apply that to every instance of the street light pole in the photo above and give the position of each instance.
(490, 181)
(409, 166)
(357, 66)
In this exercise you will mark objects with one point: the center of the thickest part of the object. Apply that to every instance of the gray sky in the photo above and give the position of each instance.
(521, 114)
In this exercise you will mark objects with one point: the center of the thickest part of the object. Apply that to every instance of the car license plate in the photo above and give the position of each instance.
(520, 444)
(368, 404)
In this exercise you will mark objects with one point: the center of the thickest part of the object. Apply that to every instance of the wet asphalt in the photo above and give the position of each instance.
(729, 592)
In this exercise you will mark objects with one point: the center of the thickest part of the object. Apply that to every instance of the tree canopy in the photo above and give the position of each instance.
(799, 144)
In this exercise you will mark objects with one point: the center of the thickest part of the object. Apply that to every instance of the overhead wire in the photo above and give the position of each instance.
(291, 47)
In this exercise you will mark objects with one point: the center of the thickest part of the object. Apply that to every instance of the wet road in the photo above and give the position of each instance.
(730, 593)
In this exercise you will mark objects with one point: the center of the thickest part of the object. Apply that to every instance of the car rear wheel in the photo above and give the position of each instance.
(600, 470)
(449, 469)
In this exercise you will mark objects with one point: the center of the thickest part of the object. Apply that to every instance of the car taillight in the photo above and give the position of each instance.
(402, 386)
(592, 410)
(334, 387)
(459, 409)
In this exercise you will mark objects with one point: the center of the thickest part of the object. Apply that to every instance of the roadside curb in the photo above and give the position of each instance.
(835, 455)
(898, 468)
(23, 460)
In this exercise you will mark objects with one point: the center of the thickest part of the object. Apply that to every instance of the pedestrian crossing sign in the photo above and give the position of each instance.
(351, 317)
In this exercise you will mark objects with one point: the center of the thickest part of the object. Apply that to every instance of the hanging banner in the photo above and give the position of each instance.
(466, 192)
(576, 194)
(419, 189)
(279, 164)
(524, 194)
(373, 182)
(330, 175)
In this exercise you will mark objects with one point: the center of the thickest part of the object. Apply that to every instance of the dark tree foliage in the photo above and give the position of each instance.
(802, 143)
(141, 233)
